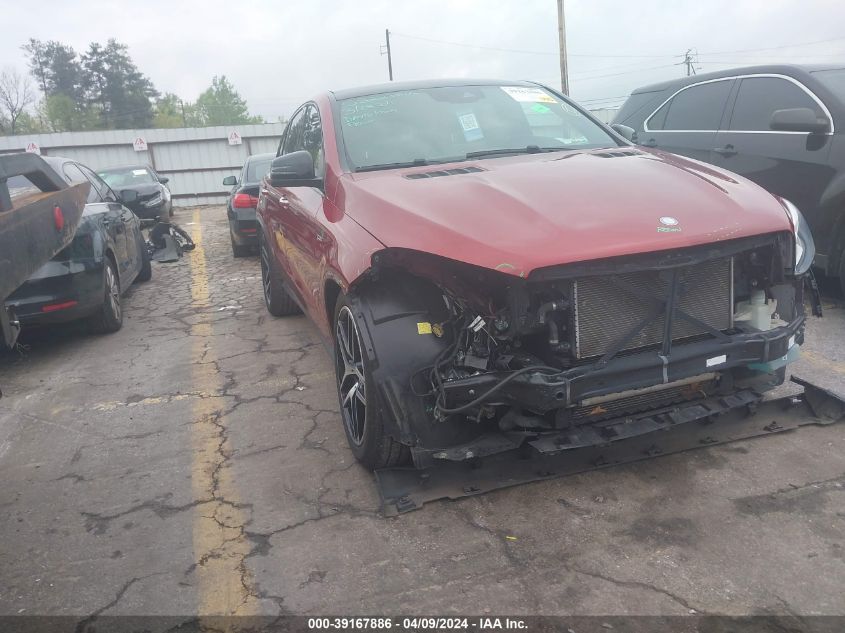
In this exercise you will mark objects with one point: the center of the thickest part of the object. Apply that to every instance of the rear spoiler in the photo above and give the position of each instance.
(33, 227)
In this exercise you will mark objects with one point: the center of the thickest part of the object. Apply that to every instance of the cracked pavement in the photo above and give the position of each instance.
(194, 463)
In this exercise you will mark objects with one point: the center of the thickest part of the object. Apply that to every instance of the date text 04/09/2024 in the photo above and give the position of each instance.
(416, 623)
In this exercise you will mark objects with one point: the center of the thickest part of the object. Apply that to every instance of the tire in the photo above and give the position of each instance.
(240, 251)
(146, 265)
(109, 318)
(279, 303)
(362, 424)
(842, 274)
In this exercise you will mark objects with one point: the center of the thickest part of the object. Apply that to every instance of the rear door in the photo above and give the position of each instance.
(111, 216)
(128, 226)
(687, 122)
(131, 224)
(791, 164)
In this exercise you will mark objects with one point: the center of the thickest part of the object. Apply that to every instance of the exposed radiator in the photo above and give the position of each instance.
(605, 312)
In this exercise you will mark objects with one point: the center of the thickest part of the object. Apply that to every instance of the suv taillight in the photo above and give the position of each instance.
(244, 201)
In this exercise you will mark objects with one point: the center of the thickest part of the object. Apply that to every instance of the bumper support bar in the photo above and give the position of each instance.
(737, 418)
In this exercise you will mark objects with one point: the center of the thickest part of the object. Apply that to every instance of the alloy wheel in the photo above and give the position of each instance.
(113, 289)
(265, 273)
(351, 383)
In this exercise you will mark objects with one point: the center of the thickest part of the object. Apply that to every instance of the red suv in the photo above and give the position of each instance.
(492, 266)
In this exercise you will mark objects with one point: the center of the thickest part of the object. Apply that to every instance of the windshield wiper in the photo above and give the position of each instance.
(417, 162)
(528, 149)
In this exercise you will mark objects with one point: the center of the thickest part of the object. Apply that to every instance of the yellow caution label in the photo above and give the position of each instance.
(424, 328)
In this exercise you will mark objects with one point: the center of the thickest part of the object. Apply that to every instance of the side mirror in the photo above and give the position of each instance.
(798, 120)
(294, 170)
(163, 180)
(628, 132)
(128, 196)
(230, 181)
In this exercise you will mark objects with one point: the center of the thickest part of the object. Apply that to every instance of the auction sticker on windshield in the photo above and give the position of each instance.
(469, 124)
(529, 95)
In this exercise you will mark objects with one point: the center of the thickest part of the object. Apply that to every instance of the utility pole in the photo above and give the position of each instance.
(688, 62)
(184, 119)
(385, 50)
(561, 31)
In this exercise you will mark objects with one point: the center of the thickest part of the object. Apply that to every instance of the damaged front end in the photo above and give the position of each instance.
(471, 361)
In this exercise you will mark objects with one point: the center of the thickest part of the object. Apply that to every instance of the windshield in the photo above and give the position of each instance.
(430, 125)
(834, 80)
(257, 168)
(127, 177)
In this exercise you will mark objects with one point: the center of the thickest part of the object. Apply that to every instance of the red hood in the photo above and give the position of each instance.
(527, 212)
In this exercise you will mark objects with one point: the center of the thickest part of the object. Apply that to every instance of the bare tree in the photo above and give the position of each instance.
(15, 95)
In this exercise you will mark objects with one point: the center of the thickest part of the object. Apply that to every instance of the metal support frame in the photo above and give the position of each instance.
(736, 417)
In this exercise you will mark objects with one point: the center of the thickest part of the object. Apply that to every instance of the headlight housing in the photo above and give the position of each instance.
(805, 247)
(156, 199)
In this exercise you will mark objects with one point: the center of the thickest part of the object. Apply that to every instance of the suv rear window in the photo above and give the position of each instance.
(758, 97)
(833, 80)
(696, 108)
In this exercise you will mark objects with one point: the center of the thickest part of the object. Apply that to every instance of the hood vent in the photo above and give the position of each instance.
(617, 153)
(444, 172)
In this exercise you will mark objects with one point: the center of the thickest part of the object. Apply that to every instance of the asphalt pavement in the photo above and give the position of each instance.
(194, 462)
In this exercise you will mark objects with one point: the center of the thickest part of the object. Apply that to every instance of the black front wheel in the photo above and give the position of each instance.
(146, 272)
(842, 273)
(362, 421)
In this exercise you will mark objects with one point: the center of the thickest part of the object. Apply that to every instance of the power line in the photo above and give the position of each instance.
(632, 66)
(633, 70)
(516, 50)
(772, 48)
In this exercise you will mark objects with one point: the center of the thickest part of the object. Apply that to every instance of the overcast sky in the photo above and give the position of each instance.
(279, 53)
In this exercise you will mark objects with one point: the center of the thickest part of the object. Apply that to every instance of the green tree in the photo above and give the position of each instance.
(221, 104)
(55, 67)
(170, 111)
(66, 115)
(115, 88)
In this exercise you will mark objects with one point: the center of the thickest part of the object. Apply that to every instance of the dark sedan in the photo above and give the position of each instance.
(88, 277)
(242, 201)
(154, 197)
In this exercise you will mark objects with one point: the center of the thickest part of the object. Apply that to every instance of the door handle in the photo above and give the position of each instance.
(650, 143)
(281, 199)
(727, 150)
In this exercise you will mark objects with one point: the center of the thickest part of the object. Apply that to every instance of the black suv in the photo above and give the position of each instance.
(781, 126)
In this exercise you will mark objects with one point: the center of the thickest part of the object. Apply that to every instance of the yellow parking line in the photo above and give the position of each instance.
(224, 585)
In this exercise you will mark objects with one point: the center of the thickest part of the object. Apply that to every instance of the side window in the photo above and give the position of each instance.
(294, 134)
(697, 108)
(106, 192)
(75, 176)
(758, 97)
(313, 139)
